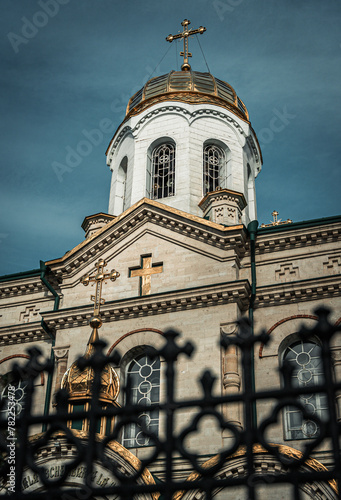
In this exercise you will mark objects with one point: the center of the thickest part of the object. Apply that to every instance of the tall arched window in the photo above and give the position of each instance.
(305, 357)
(214, 166)
(121, 186)
(143, 380)
(163, 171)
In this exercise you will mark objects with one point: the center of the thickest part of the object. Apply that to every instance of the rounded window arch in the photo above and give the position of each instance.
(216, 156)
(304, 356)
(161, 169)
(142, 381)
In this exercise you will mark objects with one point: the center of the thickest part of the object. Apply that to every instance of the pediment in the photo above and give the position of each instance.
(193, 231)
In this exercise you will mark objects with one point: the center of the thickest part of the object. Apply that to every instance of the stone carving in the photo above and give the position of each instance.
(333, 265)
(30, 314)
(287, 272)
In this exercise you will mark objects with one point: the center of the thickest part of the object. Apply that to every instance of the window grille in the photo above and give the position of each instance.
(163, 171)
(214, 161)
(143, 381)
(304, 358)
(15, 391)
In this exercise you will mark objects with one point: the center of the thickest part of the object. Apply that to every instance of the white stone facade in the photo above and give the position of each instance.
(189, 127)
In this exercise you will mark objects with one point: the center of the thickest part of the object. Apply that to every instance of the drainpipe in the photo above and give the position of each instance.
(47, 330)
(252, 229)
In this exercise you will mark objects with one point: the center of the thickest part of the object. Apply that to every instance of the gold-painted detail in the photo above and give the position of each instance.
(259, 449)
(126, 213)
(115, 447)
(185, 34)
(190, 97)
(98, 276)
(276, 221)
(78, 382)
(145, 273)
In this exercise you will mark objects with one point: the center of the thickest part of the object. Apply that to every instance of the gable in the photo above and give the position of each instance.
(177, 243)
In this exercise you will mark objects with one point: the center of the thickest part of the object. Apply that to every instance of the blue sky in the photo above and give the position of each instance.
(67, 65)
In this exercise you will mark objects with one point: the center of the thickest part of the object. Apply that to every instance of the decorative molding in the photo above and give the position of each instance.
(18, 287)
(297, 238)
(333, 264)
(223, 206)
(147, 211)
(190, 115)
(29, 312)
(61, 352)
(93, 223)
(287, 272)
(206, 296)
(22, 333)
(298, 291)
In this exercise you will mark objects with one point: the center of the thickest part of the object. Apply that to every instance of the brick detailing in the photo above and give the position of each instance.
(30, 313)
(115, 344)
(284, 320)
(333, 265)
(25, 356)
(286, 272)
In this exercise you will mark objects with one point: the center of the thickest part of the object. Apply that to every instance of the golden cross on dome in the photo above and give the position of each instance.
(98, 276)
(185, 34)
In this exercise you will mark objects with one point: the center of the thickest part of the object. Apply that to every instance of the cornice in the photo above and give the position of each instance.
(22, 333)
(22, 286)
(161, 303)
(297, 237)
(189, 115)
(298, 291)
(161, 215)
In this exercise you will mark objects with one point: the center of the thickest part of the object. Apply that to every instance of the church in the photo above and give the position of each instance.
(180, 247)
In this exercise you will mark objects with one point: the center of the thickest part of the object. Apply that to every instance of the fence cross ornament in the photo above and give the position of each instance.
(185, 34)
(98, 276)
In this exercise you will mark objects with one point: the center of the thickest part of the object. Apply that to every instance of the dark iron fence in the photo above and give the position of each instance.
(206, 480)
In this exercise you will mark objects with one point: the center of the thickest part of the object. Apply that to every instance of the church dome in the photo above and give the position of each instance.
(78, 382)
(187, 86)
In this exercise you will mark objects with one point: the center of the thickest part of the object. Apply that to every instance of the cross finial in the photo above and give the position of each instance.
(276, 221)
(275, 216)
(98, 276)
(185, 34)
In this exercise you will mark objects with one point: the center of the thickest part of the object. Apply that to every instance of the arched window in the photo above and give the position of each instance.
(163, 171)
(214, 166)
(305, 358)
(12, 393)
(121, 186)
(143, 380)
